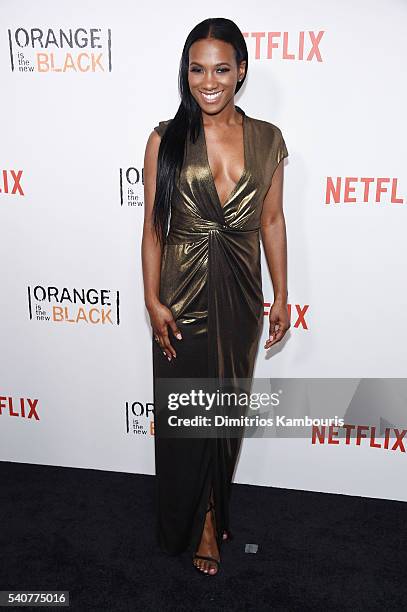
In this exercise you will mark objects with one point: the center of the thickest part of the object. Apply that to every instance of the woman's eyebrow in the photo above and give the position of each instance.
(218, 64)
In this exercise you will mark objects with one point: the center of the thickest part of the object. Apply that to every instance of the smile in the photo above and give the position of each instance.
(212, 97)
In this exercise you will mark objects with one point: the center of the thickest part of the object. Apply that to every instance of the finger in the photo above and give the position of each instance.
(175, 330)
(169, 349)
(272, 331)
(161, 345)
(277, 337)
(157, 338)
(165, 353)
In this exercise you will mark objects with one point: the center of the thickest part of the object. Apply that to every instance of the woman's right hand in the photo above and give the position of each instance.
(161, 317)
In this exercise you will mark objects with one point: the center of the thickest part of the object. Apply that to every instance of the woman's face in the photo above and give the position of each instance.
(213, 73)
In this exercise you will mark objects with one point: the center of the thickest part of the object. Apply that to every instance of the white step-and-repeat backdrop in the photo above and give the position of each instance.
(82, 85)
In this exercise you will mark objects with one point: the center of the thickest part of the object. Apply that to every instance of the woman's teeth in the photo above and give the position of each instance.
(211, 97)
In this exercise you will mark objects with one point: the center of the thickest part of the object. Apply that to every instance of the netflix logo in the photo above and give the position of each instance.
(299, 46)
(364, 190)
(10, 182)
(296, 313)
(358, 435)
(23, 408)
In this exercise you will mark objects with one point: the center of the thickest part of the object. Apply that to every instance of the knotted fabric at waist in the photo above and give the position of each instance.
(198, 229)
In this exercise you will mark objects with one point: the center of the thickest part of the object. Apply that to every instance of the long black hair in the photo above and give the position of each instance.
(188, 117)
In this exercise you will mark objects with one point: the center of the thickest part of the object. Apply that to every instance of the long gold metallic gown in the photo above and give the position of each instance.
(211, 281)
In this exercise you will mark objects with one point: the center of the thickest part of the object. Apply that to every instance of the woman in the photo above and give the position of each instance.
(213, 183)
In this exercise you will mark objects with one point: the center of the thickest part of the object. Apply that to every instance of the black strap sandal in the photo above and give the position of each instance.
(205, 558)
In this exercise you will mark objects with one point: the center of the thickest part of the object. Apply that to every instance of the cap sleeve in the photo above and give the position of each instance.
(275, 150)
(161, 127)
(281, 149)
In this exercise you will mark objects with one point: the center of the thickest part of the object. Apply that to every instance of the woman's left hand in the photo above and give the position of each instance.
(279, 323)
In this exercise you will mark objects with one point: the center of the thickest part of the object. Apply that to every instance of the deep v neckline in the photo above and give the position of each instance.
(222, 206)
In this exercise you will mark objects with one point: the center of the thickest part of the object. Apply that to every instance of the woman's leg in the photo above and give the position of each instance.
(191, 472)
(183, 465)
(208, 546)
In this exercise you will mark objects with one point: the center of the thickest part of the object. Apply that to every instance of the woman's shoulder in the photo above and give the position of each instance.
(162, 126)
(269, 139)
(267, 128)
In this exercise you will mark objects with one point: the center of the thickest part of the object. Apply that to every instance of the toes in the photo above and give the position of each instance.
(205, 566)
(201, 565)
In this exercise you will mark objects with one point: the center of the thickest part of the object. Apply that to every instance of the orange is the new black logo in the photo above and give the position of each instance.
(139, 418)
(79, 306)
(131, 186)
(51, 50)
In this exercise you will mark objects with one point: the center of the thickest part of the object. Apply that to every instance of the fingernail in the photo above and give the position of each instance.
(178, 336)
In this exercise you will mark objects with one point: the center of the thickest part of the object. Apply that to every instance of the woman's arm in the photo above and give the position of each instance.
(150, 245)
(273, 234)
(151, 254)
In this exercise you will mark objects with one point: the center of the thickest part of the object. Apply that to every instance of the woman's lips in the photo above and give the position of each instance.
(211, 98)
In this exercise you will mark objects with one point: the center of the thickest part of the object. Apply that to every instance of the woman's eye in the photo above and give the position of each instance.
(195, 69)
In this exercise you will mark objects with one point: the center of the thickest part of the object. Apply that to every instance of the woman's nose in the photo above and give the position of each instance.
(209, 80)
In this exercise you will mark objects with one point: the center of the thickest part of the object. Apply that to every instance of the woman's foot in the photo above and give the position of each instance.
(208, 547)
